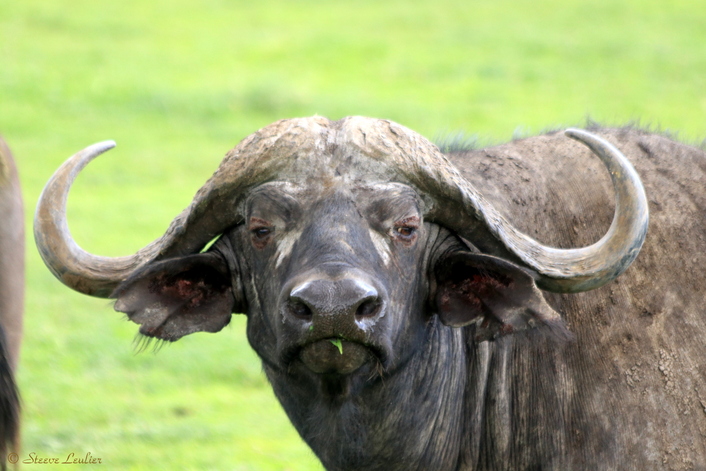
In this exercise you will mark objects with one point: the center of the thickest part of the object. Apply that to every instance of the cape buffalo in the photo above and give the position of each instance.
(11, 296)
(404, 323)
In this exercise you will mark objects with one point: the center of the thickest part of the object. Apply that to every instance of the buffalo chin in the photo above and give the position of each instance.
(334, 356)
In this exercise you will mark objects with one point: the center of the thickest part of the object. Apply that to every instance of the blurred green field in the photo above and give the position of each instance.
(178, 83)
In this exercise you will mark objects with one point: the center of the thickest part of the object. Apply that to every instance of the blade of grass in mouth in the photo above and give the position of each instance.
(337, 343)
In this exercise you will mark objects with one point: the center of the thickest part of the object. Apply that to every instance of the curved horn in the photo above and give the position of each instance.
(459, 206)
(73, 266)
(586, 268)
(212, 211)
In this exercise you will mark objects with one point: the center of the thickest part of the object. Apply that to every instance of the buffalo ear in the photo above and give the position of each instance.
(496, 295)
(177, 297)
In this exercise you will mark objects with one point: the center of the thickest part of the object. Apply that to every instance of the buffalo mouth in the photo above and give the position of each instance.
(335, 355)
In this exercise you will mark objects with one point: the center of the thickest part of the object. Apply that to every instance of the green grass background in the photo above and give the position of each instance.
(178, 83)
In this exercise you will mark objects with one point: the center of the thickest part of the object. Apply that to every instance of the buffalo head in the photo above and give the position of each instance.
(340, 241)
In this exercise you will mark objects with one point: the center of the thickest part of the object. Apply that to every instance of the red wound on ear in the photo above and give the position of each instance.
(494, 294)
(191, 288)
(177, 297)
(463, 296)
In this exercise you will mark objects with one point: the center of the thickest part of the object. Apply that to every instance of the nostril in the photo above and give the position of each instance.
(333, 301)
(299, 309)
(369, 308)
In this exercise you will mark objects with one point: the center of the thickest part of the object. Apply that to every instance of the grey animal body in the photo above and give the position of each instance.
(405, 323)
(11, 296)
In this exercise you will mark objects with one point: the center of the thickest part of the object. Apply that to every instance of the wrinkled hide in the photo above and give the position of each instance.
(630, 391)
(399, 336)
(11, 295)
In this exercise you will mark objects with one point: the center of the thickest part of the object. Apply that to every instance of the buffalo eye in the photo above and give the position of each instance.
(260, 231)
(406, 229)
